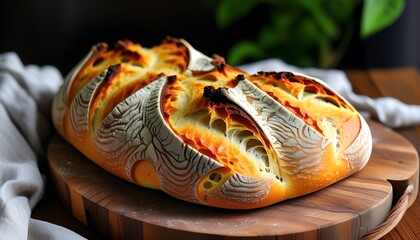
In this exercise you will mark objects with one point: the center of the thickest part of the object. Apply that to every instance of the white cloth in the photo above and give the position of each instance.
(388, 110)
(26, 94)
(25, 101)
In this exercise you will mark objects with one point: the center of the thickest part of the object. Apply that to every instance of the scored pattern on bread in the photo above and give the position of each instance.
(171, 118)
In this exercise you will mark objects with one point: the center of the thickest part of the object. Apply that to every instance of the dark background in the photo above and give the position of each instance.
(60, 33)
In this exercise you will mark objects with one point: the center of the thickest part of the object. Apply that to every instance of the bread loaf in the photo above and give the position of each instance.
(171, 118)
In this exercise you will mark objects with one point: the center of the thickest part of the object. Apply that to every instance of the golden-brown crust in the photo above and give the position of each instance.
(170, 118)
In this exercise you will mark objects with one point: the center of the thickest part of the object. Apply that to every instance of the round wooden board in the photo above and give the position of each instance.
(346, 210)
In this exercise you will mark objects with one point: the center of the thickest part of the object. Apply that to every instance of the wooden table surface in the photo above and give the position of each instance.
(404, 84)
(401, 83)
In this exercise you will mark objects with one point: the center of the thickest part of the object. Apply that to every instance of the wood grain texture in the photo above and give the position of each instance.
(345, 210)
(362, 84)
(403, 84)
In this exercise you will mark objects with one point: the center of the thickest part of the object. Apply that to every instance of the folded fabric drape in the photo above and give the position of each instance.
(26, 94)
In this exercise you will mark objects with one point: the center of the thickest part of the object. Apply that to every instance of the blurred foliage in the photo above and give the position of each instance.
(303, 32)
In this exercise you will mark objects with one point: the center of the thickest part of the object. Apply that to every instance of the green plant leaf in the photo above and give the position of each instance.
(341, 10)
(379, 14)
(277, 30)
(326, 22)
(242, 51)
(270, 36)
(229, 11)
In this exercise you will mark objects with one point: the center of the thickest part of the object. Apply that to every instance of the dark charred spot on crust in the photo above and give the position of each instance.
(100, 47)
(279, 75)
(240, 77)
(276, 75)
(111, 72)
(97, 53)
(294, 79)
(173, 40)
(219, 62)
(214, 95)
(288, 74)
(171, 79)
